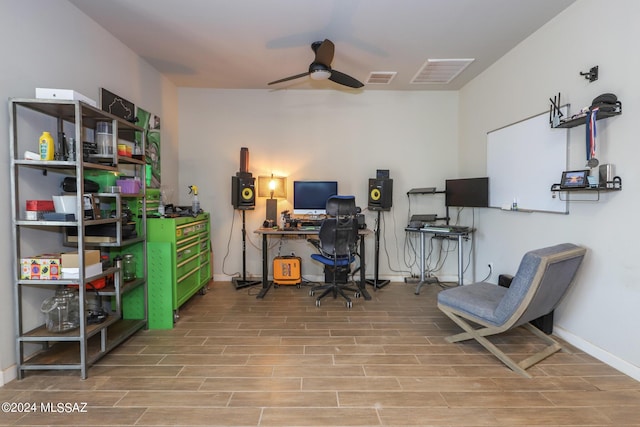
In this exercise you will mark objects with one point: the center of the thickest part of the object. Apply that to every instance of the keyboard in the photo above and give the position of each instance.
(309, 227)
(446, 228)
(311, 223)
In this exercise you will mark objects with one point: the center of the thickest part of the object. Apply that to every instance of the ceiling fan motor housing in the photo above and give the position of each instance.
(319, 71)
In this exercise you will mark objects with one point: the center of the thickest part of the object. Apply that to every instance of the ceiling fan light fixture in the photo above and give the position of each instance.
(320, 74)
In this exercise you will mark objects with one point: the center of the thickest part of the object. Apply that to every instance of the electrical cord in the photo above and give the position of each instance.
(385, 247)
(226, 255)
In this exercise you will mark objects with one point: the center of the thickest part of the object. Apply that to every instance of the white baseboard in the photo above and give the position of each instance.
(600, 354)
(8, 375)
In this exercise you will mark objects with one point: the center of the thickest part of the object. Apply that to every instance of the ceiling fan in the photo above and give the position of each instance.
(320, 68)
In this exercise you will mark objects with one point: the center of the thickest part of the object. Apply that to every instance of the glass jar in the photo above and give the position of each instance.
(62, 311)
(128, 267)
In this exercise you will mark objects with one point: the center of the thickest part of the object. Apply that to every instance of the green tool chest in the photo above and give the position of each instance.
(179, 265)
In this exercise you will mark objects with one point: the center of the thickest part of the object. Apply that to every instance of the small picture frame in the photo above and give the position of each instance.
(575, 179)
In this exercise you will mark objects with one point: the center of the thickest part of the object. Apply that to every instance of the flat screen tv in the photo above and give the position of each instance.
(310, 197)
(467, 192)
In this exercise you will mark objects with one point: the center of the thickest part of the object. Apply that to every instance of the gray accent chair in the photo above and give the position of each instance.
(542, 279)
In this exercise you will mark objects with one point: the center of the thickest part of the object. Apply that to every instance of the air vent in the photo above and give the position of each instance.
(381, 77)
(440, 71)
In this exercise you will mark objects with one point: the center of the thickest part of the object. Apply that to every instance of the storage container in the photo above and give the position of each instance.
(129, 186)
(64, 204)
(286, 270)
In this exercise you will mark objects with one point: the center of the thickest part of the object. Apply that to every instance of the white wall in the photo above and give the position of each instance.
(601, 311)
(51, 44)
(319, 134)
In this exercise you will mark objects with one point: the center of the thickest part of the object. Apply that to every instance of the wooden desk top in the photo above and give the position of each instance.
(299, 232)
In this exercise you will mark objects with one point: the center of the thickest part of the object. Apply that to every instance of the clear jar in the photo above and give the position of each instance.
(104, 137)
(62, 311)
(128, 267)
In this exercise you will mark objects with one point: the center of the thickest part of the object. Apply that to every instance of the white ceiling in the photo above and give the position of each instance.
(244, 44)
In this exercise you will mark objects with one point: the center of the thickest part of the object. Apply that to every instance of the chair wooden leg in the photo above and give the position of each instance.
(552, 347)
(479, 335)
(463, 336)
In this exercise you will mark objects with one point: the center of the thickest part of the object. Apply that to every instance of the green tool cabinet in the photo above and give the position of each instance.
(179, 265)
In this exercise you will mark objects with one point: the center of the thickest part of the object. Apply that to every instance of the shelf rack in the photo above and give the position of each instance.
(37, 348)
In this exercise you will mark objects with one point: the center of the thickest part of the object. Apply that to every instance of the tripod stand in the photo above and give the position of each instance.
(243, 282)
(375, 282)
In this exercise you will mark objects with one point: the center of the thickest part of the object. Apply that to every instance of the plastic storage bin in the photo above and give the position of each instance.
(129, 186)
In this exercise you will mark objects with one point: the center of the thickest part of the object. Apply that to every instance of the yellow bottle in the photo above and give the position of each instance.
(46, 146)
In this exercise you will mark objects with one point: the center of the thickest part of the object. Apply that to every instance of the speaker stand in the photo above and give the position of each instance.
(377, 284)
(243, 282)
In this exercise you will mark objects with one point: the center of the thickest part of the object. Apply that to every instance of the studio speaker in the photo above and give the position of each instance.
(243, 195)
(380, 194)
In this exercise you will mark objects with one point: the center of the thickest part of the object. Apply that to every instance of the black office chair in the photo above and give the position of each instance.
(337, 244)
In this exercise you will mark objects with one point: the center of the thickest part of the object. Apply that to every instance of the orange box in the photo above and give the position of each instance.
(286, 270)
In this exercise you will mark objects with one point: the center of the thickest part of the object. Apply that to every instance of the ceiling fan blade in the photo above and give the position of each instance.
(324, 53)
(345, 80)
(297, 76)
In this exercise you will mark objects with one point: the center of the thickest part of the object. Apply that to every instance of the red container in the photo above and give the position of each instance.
(40, 205)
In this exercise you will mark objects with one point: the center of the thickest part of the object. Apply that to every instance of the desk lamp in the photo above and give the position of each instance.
(274, 187)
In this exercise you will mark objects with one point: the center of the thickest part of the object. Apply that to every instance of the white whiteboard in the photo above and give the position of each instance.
(523, 160)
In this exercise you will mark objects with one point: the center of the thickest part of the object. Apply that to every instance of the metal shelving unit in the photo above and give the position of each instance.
(124, 303)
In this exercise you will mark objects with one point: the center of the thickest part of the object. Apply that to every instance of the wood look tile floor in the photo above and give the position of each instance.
(234, 360)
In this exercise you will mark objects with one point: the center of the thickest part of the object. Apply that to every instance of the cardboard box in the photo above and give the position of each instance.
(70, 259)
(90, 270)
(40, 267)
(46, 93)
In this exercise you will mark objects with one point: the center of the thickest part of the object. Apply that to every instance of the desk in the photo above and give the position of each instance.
(459, 235)
(267, 232)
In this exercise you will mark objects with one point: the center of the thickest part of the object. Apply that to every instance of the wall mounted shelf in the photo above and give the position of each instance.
(594, 191)
(581, 119)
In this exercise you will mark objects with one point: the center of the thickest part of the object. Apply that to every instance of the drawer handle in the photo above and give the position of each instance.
(189, 274)
(188, 260)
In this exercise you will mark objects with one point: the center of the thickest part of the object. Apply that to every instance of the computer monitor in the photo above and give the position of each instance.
(310, 197)
(467, 192)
